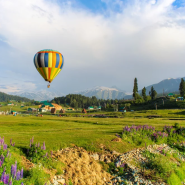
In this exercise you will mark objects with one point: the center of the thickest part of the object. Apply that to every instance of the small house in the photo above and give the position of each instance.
(84, 111)
(70, 108)
(62, 111)
(10, 104)
(90, 108)
(53, 111)
(122, 109)
(179, 99)
(42, 110)
(13, 112)
(170, 94)
(99, 107)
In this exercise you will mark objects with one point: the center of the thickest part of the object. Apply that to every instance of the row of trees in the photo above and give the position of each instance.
(6, 98)
(80, 101)
(152, 93)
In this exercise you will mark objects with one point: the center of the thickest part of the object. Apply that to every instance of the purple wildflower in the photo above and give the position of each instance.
(18, 175)
(7, 179)
(44, 146)
(122, 165)
(10, 183)
(21, 173)
(4, 147)
(1, 163)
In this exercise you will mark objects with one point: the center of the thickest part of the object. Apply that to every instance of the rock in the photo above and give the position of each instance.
(102, 157)
(61, 181)
(115, 153)
(95, 156)
(108, 160)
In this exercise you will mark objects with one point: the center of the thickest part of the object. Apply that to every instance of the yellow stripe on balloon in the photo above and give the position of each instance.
(47, 74)
(54, 59)
(60, 61)
(50, 59)
(53, 72)
(57, 73)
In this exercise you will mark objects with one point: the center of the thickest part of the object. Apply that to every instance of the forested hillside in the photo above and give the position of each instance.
(5, 97)
(77, 100)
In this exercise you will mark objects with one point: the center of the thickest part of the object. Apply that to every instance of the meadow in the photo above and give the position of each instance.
(88, 132)
(53, 133)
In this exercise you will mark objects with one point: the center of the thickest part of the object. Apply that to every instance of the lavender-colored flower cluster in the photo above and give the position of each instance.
(146, 131)
(2, 144)
(37, 145)
(12, 144)
(31, 141)
(16, 175)
(156, 135)
(167, 129)
(139, 128)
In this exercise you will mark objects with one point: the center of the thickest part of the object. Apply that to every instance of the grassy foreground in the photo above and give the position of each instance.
(88, 132)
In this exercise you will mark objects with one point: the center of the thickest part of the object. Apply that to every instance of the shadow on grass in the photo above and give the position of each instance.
(178, 113)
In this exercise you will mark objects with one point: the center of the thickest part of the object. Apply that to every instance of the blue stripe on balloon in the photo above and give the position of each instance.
(57, 60)
(46, 59)
(62, 62)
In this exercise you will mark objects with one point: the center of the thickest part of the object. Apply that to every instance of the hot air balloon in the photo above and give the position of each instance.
(48, 63)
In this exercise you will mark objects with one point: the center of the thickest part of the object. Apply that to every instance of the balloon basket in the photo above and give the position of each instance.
(48, 86)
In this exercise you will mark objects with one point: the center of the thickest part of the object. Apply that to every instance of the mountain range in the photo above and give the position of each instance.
(166, 86)
(39, 96)
(103, 93)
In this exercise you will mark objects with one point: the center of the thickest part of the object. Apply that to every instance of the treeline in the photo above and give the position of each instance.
(80, 101)
(6, 98)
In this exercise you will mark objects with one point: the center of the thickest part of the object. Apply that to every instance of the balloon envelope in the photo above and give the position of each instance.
(49, 63)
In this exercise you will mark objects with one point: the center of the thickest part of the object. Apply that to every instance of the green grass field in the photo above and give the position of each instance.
(59, 132)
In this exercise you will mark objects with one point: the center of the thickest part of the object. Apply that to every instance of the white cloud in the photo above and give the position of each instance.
(143, 38)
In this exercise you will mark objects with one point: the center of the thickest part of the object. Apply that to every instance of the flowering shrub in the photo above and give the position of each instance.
(9, 173)
(36, 151)
(144, 133)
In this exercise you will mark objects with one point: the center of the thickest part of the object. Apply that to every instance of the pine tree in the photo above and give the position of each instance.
(135, 89)
(182, 87)
(152, 93)
(144, 94)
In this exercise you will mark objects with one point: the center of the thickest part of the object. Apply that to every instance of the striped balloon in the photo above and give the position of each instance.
(49, 63)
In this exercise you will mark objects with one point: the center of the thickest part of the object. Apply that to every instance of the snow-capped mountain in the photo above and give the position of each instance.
(102, 92)
(39, 96)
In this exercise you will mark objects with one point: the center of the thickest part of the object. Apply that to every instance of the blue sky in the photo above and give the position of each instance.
(104, 43)
(179, 3)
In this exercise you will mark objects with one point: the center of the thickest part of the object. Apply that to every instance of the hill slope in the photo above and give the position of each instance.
(169, 85)
(5, 97)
